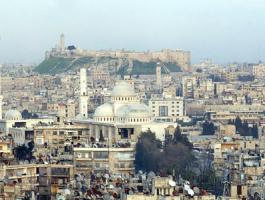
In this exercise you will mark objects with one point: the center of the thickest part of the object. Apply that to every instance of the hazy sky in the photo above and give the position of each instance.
(224, 30)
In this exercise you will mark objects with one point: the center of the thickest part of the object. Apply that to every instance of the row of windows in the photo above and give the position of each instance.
(171, 106)
(63, 133)
(167, 111)
(124, 98)
(16, 135)
(107, 119)
(159, 102)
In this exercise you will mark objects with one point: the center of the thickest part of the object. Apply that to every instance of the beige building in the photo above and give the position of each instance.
(227, 130)
(258, 71)
(66, 110)
(46, 179)
(188, 86)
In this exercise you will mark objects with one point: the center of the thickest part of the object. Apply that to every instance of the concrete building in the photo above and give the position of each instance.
(13, 119)
(167, 109)
(188, 86)
(258, 71)
(114, 130)
(43, 180)
(66, 110)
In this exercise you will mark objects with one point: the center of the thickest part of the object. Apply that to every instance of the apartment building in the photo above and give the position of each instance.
(167, 109)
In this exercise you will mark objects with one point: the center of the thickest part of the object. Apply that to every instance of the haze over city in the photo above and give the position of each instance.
(132, 100)
(224, 30)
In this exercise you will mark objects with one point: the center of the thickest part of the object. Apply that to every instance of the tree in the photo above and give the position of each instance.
(27, 115)
(180, 138)
(208, 128)
(147, 152)
(238, 123)
(176, 154)
(246, 78)
(24, 152)
(244, 130)
(207, 179)
(255, 131)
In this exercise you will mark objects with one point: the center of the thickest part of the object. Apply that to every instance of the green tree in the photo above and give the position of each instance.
(24, 152)
(208, 128)
(180, 138)
(175, 155)
(255, 131)
(147, 152)
(238, 123)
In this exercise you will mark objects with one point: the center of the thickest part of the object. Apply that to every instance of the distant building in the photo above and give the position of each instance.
(13, 119)
(188, 86)
(258, 71)
(167, 109)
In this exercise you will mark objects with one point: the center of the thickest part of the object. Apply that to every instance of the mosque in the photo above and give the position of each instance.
(123, 117)
(124, 107)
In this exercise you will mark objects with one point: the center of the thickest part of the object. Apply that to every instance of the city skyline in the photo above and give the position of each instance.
(225, 31)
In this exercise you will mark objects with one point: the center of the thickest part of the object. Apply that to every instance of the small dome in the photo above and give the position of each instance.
(139, 111)
(122, 111)
(13, 115)
(123, 89)
(105, 110)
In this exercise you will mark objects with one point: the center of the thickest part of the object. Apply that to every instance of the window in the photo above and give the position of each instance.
(101, 155)
(163, 111)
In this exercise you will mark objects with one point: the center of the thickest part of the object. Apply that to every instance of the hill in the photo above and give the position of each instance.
(56, 65)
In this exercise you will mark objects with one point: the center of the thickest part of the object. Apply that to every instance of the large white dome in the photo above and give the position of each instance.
(105, 110)
(13, 115)
(123, 89)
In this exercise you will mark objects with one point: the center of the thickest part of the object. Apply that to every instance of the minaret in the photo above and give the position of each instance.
(83, 93)
(61, 44)
(158, 74)
(1, 97)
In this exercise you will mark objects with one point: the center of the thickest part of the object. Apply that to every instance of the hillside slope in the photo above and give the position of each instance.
(55, 65)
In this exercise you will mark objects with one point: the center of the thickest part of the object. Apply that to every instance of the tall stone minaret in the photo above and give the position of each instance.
(83, 93)
(62, 43)
(158, 74)
(1, 97)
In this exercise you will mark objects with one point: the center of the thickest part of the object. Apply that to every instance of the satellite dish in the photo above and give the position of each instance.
(106, 176)
(60, 197)
(111, 187)
(67, 192)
